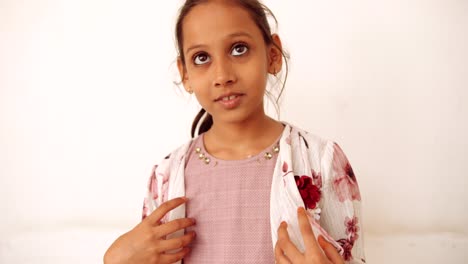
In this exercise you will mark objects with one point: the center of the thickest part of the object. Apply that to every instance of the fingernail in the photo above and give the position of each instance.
(284, 224)
(188, 249)
(193, 220)
(321, 239)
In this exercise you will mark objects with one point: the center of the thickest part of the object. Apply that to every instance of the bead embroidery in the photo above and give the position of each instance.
(207, 160)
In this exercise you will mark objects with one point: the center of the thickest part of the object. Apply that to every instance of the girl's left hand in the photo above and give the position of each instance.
(287, 253)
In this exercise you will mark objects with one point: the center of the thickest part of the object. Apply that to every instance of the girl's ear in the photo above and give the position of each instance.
(275, 55)
(183, 74)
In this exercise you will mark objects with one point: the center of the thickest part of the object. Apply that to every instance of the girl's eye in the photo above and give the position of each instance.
(239, 49)
(201, 59)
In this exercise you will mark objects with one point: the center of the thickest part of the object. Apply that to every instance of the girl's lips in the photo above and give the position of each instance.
(230, 102)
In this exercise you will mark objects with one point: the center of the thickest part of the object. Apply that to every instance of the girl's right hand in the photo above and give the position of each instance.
(317, 252)
(146, 242)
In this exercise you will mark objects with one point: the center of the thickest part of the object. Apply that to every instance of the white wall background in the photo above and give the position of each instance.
(87, 106)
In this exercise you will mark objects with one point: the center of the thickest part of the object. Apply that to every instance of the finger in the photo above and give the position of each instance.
(280, 258)
(174, 257)
(164, 208)
(172, 226)
(330, 251)
(285, 244)
(176, 243)
(307, 232)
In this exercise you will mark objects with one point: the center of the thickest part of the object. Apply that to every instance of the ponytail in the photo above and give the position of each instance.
(206, 122)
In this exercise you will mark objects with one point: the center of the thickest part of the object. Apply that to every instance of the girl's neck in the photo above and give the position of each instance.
(242, 139)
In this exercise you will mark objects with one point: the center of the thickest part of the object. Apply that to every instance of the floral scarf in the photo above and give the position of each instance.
(310, 172)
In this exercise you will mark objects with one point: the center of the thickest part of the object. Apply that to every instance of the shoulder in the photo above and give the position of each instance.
(318, 148)
(177, 155)
(312, 142)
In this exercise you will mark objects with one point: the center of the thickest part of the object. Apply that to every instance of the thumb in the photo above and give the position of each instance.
(330, 251)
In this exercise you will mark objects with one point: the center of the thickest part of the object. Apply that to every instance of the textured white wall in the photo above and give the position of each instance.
(87, 105)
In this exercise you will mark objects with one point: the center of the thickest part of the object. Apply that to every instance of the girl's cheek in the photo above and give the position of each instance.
(198, 72)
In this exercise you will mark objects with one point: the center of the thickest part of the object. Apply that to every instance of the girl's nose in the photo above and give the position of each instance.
(224, 74)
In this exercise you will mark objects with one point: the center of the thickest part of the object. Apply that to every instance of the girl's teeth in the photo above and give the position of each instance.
(229, 97)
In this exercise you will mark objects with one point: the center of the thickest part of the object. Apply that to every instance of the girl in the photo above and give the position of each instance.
(261, 191)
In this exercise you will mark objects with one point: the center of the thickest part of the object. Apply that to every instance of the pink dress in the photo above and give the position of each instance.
(230, 199)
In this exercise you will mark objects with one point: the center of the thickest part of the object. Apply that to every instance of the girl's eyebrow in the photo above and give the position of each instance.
(194, 47)
(232, 35)
(239, 34)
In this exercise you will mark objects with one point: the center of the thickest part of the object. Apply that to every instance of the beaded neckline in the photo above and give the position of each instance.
(267, 155)
(206, 158)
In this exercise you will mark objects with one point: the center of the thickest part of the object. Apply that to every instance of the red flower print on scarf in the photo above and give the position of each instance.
(309, 192)
(285, 167)
(165, 183)
(347, 248)
(153, 187)
(145, 209)
(317, 176)
(352, 228)
(345, 184)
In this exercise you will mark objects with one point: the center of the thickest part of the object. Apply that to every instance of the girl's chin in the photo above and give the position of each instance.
(237, 118)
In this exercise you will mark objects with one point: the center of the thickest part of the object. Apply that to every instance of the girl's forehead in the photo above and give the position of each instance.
(216, 20)
(215, 14)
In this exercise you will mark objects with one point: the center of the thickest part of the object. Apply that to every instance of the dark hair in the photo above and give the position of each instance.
(259, 13)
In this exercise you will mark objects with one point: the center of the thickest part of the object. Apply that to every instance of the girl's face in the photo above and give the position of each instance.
(227, 61)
